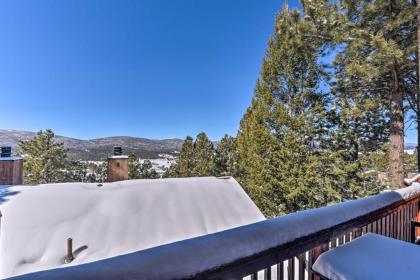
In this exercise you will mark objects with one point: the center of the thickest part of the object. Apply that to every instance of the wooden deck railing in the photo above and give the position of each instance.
(279, 248)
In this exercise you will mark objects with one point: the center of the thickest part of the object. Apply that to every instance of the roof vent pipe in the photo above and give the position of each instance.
(6, 152)
(117, 151)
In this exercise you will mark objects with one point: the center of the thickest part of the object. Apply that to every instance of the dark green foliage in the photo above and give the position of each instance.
(77, 171)
(203, 156)
(184, 165)
(196, 158)
(45, 159)
(410, 163)
(360, 129)
(140, 170)
(200, 158)
(226, 159)
(88, 172)
(319, 132)
(282, 136)
(132, 166)
(377, 66)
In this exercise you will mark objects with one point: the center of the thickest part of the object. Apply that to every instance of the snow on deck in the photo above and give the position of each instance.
(372, 257)
(114, 219)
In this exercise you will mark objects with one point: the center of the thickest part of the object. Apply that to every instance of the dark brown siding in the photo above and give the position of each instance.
(11, 172)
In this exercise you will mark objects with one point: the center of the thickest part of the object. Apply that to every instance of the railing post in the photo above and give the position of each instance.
(413, 231)
(417, 231)
(314, 255)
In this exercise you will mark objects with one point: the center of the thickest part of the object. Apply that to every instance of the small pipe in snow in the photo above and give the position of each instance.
(69, 257)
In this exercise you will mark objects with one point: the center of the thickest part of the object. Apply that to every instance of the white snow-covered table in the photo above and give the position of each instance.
(371, 256)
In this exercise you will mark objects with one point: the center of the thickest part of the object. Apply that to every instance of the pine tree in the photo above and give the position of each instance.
(139, 170)
(77, 171)
(45, 158)
(360, 130)
(184, 163)
(380, 42)
(412, 81)
(203, 156)
(283, 162)
(133, 167)
(147, 171)
(99, 172)
(226, 159)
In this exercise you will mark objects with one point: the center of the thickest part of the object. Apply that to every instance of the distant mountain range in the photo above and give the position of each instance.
(410, 146)
(99, 149)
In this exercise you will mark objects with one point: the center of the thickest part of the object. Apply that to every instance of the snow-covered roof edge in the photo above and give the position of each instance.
(117, 157)
(10, 158)
(190, 257)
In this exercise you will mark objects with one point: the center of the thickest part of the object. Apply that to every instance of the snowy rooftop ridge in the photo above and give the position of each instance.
(114, 219)
(194, 256)
(10, 158)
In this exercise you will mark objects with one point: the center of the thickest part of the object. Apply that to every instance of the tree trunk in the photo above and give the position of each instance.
(396, 149)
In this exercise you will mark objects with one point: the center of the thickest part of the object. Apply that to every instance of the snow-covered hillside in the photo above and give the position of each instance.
(113, 219)
(160, 164)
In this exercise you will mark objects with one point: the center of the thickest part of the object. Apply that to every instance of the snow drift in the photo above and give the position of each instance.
(115, 219)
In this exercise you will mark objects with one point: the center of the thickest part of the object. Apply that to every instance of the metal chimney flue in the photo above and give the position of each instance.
(117, 151)
(6, 152)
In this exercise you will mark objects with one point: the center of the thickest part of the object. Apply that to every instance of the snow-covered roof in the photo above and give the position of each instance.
(114, 219)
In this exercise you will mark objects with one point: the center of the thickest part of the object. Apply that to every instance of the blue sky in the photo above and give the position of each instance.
(149, 68)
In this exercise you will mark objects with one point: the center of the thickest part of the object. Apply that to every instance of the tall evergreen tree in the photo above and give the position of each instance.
(184, 163)
(203, 156)
(412, 81)
(361, 128)
(281, 139)
(226, 160)
(45, 158)
(381, 46)
(133, 167)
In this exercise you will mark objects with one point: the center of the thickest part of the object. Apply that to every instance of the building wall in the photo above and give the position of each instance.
(11, 172)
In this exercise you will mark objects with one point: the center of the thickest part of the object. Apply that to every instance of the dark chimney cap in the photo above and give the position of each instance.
(6, 151)
(117, 150)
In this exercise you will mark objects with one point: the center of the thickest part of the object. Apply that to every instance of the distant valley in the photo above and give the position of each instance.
(99, 149)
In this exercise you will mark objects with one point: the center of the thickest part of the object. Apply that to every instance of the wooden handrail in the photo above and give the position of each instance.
(245, 250)
(300, 245)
